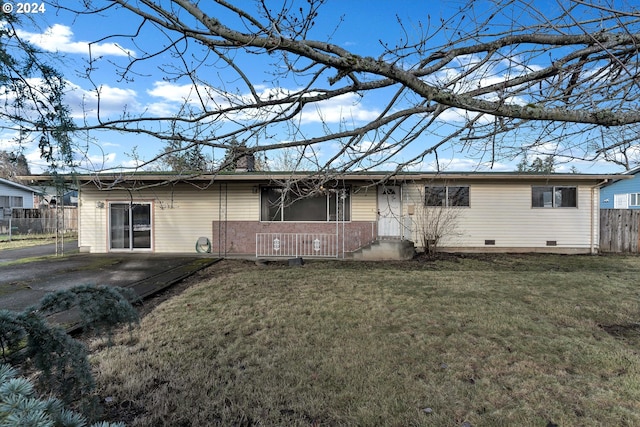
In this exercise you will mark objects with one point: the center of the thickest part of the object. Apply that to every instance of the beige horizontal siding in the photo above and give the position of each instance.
(240, 202)
(92, 221)
(500, 212)
(503, 213)
(180, 215)
(364, 204)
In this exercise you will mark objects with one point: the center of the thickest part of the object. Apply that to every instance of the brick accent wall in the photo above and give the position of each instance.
(239, 237)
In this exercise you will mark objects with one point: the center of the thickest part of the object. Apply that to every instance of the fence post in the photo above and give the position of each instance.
(10, 227)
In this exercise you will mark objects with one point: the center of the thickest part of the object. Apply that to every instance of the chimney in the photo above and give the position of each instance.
(246, 162)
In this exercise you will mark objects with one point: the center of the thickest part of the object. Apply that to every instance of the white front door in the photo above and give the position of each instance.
(389, 211)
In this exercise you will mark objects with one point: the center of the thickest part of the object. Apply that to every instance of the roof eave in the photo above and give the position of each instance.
(356, 176)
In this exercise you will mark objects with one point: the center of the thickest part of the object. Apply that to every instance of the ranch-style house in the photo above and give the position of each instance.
(278, 214)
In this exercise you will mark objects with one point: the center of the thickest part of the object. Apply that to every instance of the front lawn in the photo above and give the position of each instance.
(488, 340)
(23, 240)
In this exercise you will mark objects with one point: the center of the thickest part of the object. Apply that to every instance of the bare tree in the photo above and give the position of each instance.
(435, 225)
(435, 215)
(620, 146)
(290, 159)
(492, 79)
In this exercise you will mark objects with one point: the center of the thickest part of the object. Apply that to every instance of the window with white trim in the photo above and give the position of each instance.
(621, 201)
(634, 199)
(446, 195)
(11, 202)
(554, 197)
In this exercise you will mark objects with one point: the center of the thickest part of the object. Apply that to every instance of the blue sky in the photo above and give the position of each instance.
(356, 25)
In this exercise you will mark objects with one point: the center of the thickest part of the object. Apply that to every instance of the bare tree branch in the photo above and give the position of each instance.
(491, 80)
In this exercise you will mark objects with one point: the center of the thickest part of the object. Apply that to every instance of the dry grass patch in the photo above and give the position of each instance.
(500, 340)
(23, 241)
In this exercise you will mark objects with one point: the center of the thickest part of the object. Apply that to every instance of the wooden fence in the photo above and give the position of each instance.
(619, 230)
(40, 221)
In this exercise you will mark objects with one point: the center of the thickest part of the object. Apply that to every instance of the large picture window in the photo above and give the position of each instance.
(279, 205)
(554, 197)
(448, 196)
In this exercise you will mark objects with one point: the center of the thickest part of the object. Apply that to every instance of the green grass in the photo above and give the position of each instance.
(23, 241)
(493, 340)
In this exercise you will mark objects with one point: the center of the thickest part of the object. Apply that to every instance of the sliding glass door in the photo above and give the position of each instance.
(130, 226)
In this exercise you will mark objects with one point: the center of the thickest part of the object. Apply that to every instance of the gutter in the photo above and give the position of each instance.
(373, 177)
(595, 210)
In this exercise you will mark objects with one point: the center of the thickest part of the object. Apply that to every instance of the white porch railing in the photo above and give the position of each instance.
(296, 245)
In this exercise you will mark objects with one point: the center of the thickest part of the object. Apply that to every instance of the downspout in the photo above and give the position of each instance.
(595, 208)
(337, 230)
(402, 230)
(343, 199)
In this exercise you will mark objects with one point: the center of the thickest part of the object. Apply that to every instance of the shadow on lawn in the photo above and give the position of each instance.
(628, 331)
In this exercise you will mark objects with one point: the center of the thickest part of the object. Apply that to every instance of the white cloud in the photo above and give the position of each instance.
(109, 144)
(8, 141)
(59, 38)
(190, 93)
(344, 108)
(173, 96)
(172, 92)
(95, 162)
(113, 101)
(542, 149)
(456, 164)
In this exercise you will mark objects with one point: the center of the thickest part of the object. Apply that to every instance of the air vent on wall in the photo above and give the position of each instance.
(489, 242)
(552, 243)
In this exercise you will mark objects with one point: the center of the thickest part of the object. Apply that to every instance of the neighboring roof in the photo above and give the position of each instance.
(149, 177)
(630, 174)
(632, 171)
(19, 186)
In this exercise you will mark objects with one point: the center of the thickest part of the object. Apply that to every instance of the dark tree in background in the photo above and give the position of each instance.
(540, 165)
(13, 165)
(178, 158)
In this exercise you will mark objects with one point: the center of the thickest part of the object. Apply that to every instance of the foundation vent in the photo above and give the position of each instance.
(489, 242)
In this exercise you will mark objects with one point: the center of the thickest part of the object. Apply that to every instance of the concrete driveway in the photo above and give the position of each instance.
(27, 274)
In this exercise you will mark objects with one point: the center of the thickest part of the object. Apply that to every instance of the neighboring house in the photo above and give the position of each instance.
(51, 194)
(622, 193)
(250, 213)
(14, 195)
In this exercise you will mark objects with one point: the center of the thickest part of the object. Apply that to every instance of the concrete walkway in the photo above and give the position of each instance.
(27, 274)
